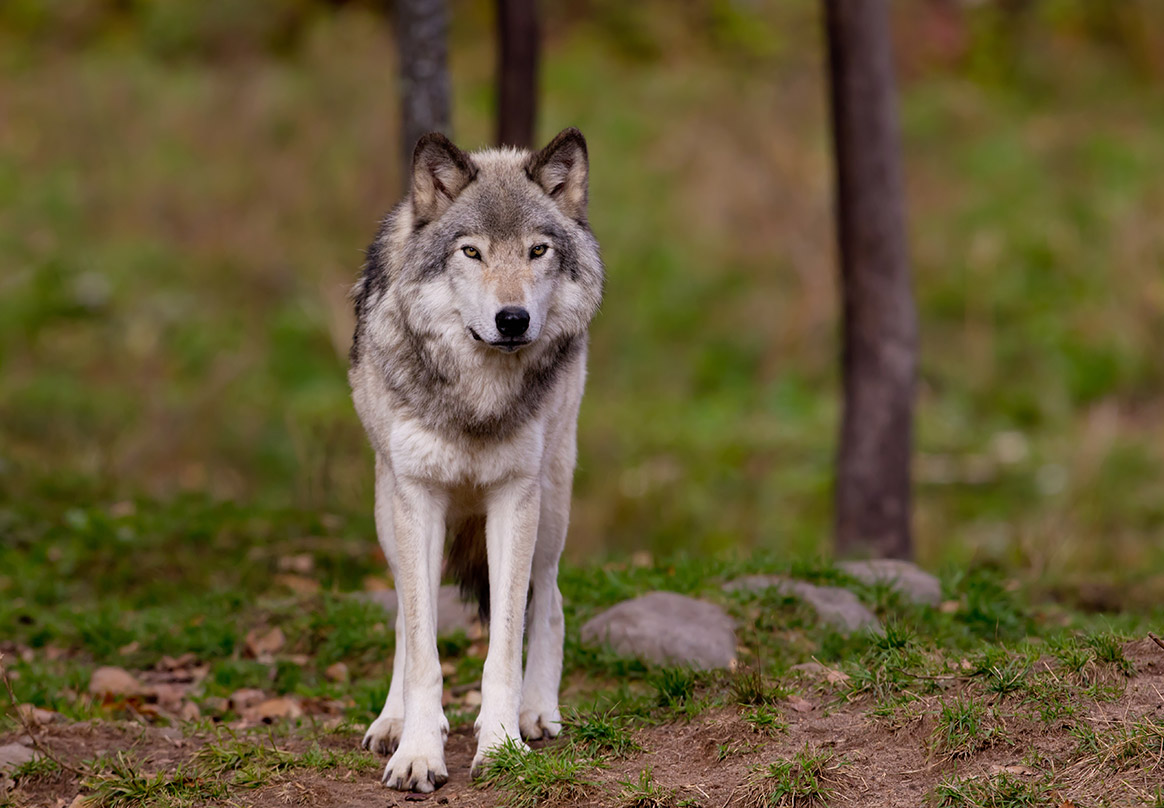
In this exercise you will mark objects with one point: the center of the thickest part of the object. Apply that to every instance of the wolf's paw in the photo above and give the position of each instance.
(416, 768)
(537, 724)
(384, 735)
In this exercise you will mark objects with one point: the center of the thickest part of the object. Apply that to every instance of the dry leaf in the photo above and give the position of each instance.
(264, 643)
(299, 584)
(337, 672)
(799, 704)
(111, 681)
(273, 709)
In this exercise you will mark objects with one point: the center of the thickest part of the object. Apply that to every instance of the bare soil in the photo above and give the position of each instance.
(706, 761)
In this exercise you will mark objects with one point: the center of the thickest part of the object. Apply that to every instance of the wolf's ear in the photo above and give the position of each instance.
(440, 171)
(563, 171)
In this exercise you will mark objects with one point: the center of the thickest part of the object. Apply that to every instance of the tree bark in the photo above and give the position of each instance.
(879, 353)
(517, 72)
(422, 36)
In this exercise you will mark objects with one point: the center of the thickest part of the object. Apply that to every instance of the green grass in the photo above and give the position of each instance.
(1000, 791)
(526, 779)
(597, 733)
(964, 726)
(1031, 241)
(645, 793)
(810, 777)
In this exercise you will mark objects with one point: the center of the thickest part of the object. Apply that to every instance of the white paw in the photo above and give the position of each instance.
(538, 723)
(384, 735)
(417, 766)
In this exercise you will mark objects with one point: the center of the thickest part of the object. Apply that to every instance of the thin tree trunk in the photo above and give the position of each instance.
(517, 72)
(422, 34)
(879, 355)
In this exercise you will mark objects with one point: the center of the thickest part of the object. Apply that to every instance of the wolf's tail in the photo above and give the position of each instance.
(468, 563)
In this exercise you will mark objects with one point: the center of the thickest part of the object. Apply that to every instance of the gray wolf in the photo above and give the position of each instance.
(467, 369)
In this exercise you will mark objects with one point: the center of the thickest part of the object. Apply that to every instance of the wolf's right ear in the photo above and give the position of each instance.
(440, 171)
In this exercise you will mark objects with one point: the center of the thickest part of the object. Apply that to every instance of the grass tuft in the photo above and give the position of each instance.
(810, 777)
(645, 792)
(528, 779)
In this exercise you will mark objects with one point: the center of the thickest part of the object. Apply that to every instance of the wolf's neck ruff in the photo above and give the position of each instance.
(434, 385)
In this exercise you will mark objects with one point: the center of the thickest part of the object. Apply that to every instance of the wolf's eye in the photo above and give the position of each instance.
(472, 252)
(538, 251)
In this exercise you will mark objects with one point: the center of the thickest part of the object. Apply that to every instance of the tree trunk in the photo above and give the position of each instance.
(421, 35)
(517, 72)
(879, 354)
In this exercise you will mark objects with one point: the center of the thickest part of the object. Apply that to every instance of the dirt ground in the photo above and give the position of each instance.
(707, 761)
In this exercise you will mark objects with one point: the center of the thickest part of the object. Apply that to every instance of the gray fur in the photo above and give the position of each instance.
(502, 201)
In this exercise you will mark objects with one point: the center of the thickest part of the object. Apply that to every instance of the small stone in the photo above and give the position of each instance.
(472, 698)
(111, 681)
(337, 672)
(908, 579)
(14, 755)
(666, 628)
(837, 607)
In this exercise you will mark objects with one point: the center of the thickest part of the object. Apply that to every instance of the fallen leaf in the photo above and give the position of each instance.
(38, 716)
(337, 672)
(245, 697)
(299, 584)
(301, 563)
(473, 698)
(799, 704)
(129, 648)
(168, 663)
(264, 643)
(111, 681)
(277, 708)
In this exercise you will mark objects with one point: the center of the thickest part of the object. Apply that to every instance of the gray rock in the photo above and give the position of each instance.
(14, 755)
(668, 629)
(909, 579)
(453, 614)
(838, 607)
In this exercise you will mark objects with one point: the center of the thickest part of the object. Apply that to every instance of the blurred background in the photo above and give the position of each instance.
(186, 190)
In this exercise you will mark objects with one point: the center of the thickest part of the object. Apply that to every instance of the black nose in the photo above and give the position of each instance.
(512, 321)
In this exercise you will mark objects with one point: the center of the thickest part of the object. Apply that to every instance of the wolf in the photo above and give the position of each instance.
(467, 369)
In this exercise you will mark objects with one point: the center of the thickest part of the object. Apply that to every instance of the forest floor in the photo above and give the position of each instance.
(251, 683)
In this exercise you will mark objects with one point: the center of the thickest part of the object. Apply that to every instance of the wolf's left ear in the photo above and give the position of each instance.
(440, 171)
(563, 171)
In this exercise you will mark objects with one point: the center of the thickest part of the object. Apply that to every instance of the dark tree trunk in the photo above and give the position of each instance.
(517, 72)
(421, 39)
(879, 355)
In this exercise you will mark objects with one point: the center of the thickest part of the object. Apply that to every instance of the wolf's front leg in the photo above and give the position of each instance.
(418, 519)
(511, 525)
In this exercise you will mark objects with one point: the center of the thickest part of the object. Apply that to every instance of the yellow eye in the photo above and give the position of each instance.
(538, 251)
(472, 252)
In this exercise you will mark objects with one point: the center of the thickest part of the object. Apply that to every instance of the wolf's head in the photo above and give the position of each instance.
(506, 232)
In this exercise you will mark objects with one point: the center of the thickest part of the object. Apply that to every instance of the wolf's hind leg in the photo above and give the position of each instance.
(539, 716)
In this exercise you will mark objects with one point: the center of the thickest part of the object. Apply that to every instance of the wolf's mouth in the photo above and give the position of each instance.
(506, 345)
